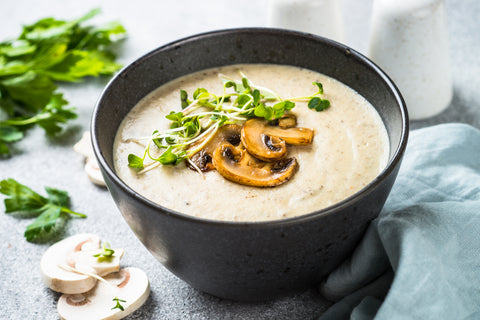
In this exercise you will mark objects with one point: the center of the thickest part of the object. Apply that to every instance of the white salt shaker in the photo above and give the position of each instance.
(408, 40)
(320, 17)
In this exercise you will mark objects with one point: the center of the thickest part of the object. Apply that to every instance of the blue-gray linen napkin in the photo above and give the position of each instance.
(420, 259)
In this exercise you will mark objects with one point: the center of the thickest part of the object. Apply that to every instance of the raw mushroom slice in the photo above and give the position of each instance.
(93, 172)
(130, 284)
(86, 261)
(203, 158)
(62, 253)
(268, 143)
(237, 165)
(84, 147)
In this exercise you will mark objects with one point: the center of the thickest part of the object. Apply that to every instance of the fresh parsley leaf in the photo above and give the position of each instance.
(49, 118)
(8, 134)
(48, 51)
(48, 210)
(13, 68)
(31, 89)
(48, 218)
(17, 48)
(54, 114)
(22, 198)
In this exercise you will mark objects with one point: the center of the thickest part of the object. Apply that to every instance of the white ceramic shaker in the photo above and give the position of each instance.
(408, 40)
(320, 17)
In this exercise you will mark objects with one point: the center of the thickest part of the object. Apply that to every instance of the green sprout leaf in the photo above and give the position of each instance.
(135, 161)
(184, 99)
(318, 104)
(106, 254)
(118, 304)
(168, 157)
(320, 87)
(201, 118)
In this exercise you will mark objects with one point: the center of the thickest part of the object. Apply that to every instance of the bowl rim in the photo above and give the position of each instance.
(338, 206)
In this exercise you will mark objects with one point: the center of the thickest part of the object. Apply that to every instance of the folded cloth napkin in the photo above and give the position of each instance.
(420, 259)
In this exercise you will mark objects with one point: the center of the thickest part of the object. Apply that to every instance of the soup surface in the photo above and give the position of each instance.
(349, 149)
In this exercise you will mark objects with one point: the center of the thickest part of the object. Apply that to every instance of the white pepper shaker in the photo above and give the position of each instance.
(408, 40)
(320, 17)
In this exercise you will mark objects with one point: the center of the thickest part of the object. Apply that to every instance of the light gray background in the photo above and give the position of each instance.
(41, 161)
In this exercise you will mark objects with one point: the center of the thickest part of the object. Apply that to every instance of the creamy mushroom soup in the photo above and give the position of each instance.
(349, 149)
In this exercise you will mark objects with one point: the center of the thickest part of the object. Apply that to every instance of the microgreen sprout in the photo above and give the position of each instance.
(200, 118)
(106, 254)
(118, 303)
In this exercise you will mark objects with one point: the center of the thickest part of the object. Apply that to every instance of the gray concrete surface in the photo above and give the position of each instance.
(40, 161)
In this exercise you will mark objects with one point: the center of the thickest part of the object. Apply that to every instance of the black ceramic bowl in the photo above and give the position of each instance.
(257, 260)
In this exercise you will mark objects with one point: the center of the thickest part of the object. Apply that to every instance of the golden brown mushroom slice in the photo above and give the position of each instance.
(237, 165)
(268, 143)
(288, 120)
(203, 158)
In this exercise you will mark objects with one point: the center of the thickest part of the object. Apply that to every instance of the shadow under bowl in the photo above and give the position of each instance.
(249, 260)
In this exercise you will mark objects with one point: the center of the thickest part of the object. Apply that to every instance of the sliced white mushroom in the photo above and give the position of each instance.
(87, 262)
(129, 284)
(63, 253)
(84, 147)
(93, 172)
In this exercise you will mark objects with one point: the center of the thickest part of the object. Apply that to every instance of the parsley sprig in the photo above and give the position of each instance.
(49, 211)
(46, 52)
(206, 112)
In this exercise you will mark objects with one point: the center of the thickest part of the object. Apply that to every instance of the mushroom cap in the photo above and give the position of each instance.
(268, 142)
(84, 147)
(203, 158)
(129, 284)
(62, 253)
(237, 165)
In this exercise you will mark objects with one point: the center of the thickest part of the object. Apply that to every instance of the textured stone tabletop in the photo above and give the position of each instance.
(40, 161)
